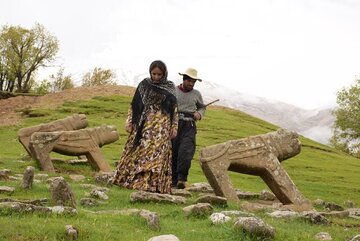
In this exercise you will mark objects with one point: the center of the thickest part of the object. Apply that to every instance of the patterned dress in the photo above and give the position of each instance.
(147, 167)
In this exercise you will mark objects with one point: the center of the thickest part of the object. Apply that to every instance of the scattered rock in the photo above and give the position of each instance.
(77, 178)
(30, 208)
(90, 186)
(356, 238)
(78, 161)
(354, 211)
(63, 210)
(267, 195)
(219, 218)
(349, 204)
(37, 202)
(4, 174)
(198, 210)
(212, 199)
(314, 217)
(5, 171)
(142, 196)
(180, 192)
(166, 237)
(339, 214)
(104, 177)
(247, 195)
(283, 214)
(319, 202)
(28, 177)
(23, 207)
(71, 233)
(7, 190)
(255, 226)
(255, 206)
(127, 212)
(88, 202)
(200, 187)
(333, 207)
(153, 220)
(101, 189)
(15, 178)
(237, 213)
(61, 192)
(323, 236)
(99, 194)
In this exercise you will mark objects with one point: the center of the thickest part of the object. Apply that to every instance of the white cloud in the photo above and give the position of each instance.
(299, 52)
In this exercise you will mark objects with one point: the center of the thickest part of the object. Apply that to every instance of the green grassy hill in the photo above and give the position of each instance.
(318, 171)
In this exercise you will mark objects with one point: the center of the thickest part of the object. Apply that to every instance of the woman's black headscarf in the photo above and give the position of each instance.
(148, 93)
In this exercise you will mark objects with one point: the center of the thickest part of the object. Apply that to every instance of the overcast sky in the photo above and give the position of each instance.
(297, 51)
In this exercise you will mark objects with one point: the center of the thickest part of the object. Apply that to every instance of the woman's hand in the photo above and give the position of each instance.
(173, 133)
(128, 127)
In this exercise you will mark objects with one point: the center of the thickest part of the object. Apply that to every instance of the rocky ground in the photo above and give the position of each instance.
(10, 108)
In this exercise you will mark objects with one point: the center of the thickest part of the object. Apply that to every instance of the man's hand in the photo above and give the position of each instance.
(197, 116)
(128, 127)
(173, 133)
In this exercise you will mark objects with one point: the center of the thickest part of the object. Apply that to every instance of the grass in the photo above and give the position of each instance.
(318, 171)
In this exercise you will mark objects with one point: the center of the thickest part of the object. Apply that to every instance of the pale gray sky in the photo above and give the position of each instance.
(298, 52)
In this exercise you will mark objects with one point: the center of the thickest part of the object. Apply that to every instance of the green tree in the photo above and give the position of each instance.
(23, 52)
(43, 88)
(60, 82)
(99, 77)
(55, 83)
(346, 134)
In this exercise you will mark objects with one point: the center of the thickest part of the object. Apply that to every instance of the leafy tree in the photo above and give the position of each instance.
(43, 88)
(23, 52)
(59, 82)
(56, 83)
(346, 135)
(99, 77)
(7, 80)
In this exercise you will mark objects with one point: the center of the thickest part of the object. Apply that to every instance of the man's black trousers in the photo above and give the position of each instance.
(183, 150)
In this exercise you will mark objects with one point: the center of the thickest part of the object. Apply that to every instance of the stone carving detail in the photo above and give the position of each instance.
(74, 122)
(73, 143)
(255, 155)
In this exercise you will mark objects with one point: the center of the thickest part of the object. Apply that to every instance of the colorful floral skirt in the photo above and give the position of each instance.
(148, 166)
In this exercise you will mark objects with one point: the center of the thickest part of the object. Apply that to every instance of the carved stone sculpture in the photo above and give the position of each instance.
(73, 143)
(74, 122)
(256, 155)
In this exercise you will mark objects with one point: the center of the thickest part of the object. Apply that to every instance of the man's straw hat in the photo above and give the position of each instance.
(192, 73)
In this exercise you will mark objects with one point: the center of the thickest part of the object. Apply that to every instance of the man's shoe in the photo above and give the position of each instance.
(181, 184)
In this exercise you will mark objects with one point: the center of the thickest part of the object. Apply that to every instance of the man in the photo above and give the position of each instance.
(191, 109)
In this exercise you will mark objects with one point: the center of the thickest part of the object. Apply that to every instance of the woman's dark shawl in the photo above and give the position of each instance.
(148, 93)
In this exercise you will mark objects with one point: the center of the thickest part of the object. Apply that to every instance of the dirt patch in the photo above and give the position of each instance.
(10, 107)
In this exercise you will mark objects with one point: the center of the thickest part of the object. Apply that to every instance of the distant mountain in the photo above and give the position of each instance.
(314, 124)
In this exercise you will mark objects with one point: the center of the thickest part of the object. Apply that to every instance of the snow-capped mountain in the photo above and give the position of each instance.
(314, 124)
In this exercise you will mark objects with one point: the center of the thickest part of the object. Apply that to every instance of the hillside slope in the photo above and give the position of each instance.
(9, 107)
(318, 171)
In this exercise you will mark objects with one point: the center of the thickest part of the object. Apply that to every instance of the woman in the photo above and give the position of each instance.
(152, 122)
